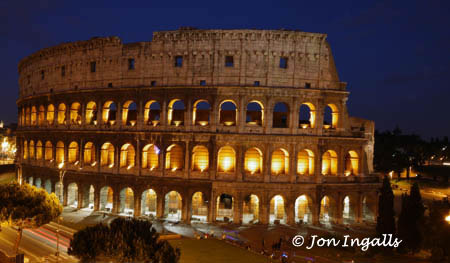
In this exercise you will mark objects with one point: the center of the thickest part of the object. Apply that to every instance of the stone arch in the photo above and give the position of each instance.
(226, 158)
(200, 158)
(48, 186)
(327, 210)
(72, 194)
(50, 114)
(38, 182)
(48, 154)
(199, 207)
(91, 113)
(280, 162)
(31, 149)
(277, 211)
(127, 156)
(75, 113)
(280, 118)
(255, 113)
(228, 113)
(107, 155)
(175, 112)
(369, 207)
(109, 112)
(152, 112)
(88, 196)
(303, 209)
(173, 205)
(126, 200)
(106, 199)
(348, 209)
(201, 112)
(33, 115)
(129, 113)
(351, 162)
(331, 116)
(224, 207)
(28, 116)
(61, 114)
(174, 157)
(25, 150)
(250, 211)
(305, 162)
(30, 180)
(89, 154)
(307, 115)
(329, 163)
(41, 115)
(73, 153)
(253, 161)
(39, 151)
(60, 152)
(149, 203)
(150, 157)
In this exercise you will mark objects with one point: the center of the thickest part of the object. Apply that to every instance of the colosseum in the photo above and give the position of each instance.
(241, 126)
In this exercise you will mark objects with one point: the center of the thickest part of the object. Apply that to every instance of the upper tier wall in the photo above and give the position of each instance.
(256, 57)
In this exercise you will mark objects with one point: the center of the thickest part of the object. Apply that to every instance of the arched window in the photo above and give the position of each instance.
(48, 155)
(329, 163)
(280, 161)
(175, 112)
(305, 162)
(73, 154)
(150, 157)
(39, 150)
(255, 113)
(351, 163)
(201, 112)
(33, 115)
(22, 117)
(307, 115)
(59, 152)
(75, 113)
(28, 116)
(25, 150)
(152, 113)
(41, 115)
(31, 149)
(91, 113)
(174, 157)
(331, 117)
(200, 158)
(228, 113)
(129, 113)
(226, 159)
(253, 161)
(62, 113)
(109, 113)
(50, 114)
(127, 156)
(280, 115)
(89, 153)
(107, 155)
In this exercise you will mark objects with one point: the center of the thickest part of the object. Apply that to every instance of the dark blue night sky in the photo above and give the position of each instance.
(395, 55)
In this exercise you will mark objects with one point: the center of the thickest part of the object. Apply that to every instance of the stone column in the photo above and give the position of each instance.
(160, 204)
(212, 208)
(338, 217)
(240, 159)
(242, 114)
(137, 204)
(340, 161)
(65, 194)
(290, 211)
(186, 209)
(116, 201)
(359, 207)
(80, 200)
(292, 163)
(188, 122)
(264, 210)
(267, 170)
(96, 198)
(187, 163)
(237, 208)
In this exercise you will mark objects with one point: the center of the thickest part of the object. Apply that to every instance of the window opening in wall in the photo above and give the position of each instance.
(283, 62)
(93, 66)
(63, 71)
(29, 79)
(153, 83)
(110, 85)
(130, 63)
(256, 83)
(307, 85)
(202, 82)
(178, 61)
(42, 75)
(229, 61)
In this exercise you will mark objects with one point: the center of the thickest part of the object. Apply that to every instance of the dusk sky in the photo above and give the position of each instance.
(394, 55)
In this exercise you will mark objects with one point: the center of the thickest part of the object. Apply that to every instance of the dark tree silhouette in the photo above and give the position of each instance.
(386, 214)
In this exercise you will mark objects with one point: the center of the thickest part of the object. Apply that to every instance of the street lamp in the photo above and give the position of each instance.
(447, 218)
(62, 172)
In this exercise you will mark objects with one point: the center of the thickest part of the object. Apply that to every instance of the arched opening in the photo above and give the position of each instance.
(253, 161)
(30, 180)
(307, 116)
(305, 162)
(129, 113)
(172, 207)
(33, 115)
(89, 154)
(88, 197)
(351, 161)
(38, 182)
(91, 113)
(225, 205)
(174, 158)
(109, 113)
(127, 156)
(226, 159)
(175, 112)
(59, 152)
(41, 115)
(150, 157)
(106, 199)
(329, 163)
(74, 156)
(126, 201)
(199, 209)
(50, 114)
(39, 150)
(48, 155)
(59, 192)
(277, 210)
(107, 155)
(280, 162)
(200, 158)
(62, 114)
(148, 203)
(201, 113)
(152, 113)
(48, 186)
(369, 209)
(327, 210)
(255, 113)
(25, 150)
(228, 113)
(331, 117)
(250, 213)
(28, 116)
(348, 215)
(31, 149)
(75, 113)
(303, 208)
(72, 195)
(280, 115)
(22, 117)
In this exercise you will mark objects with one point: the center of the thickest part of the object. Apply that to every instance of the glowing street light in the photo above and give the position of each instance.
(447, 218)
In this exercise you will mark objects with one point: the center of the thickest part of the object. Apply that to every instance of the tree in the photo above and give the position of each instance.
(403, 224)
(26, 206)
(129, 240)
(386, 214)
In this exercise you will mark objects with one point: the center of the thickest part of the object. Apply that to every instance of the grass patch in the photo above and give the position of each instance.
(7, 177)
(213, 250)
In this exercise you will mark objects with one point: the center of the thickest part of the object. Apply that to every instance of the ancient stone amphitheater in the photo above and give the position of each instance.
(243, 126)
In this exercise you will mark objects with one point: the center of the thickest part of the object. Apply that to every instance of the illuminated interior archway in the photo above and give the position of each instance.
(60, 152)
(280, 115)
(175, 112)
(331, 116)
(127, 156)
(174, 158)
(33, 115)
(329, 163)
(72, 195)
(347, 210)
(31, 149)
(89, 154)
(226, 159)
(22, 117)
(277, 210)
(73, 154)
(28, 116)
(41, 115)
(172, 206)
(228, 113)
(369, 207)
(107, 155)
(303, 208)
(75, 113)
(255, 113)
(150, 157)
(200, 158)
(280, 161)
(253, 161)
(48, 186)
(106, 199)
(148, 203)
(61, 113)
(307, 115)
(48, 155)
(30, 180)
(38, 183)
(351, 162)
(129, 113)
(199, 208)
(88, 196)
(250, 213)
(201, 113)
(152, 113)
(109, 113)
(327, 210)
(25, 150)
(50, 114)
(39, 150)
(126, 201)
(305, 162)
(224, 208)
(91, 113)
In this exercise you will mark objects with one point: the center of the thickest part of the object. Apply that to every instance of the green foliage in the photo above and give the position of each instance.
(386, 214)
(128, 240)
(437, 230)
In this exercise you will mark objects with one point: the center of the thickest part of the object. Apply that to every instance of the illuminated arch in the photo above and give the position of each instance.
(329, 163)
(89, 153)
(277, 209)
(173, 205)
(126, 199)
(253, 161)
(307, 115)
(226, 159)
(59, 152)
(107, 155)
(351, 162)
(224, 207)
(129, 113)
(200, 158)
(50, 114)
(61, 113)
(72, 195)
(331, 116)
(41, 115)
(106, 199)
(255, 113)
(175, 112)
(39, 150)
(33, 115)
(73, 153)
(91, 113)
(152, 113)
(25, 150)
(150, 157)
(280, 118)
(127, 156)
(280, 161)
(228, 113)
(75, 113)
(109, 112)
(31, 149)
(305, 162)
(201, 112)
(149, 203)
(48, 155)
(174, 158)
(327, 210)
(250, 211)
(303, 208)
(27, 116)
(199, 207)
